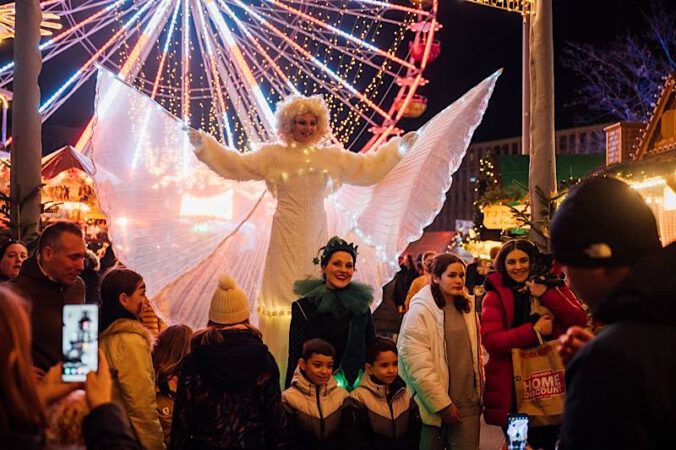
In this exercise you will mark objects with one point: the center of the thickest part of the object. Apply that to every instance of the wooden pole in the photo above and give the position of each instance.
(542, 170)
(26, 147)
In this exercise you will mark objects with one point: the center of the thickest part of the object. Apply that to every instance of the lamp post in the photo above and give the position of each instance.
(537, 100)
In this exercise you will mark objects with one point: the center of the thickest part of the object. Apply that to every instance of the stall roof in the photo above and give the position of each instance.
(63, 159)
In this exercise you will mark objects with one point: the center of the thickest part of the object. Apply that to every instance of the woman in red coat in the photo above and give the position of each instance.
(513, 309)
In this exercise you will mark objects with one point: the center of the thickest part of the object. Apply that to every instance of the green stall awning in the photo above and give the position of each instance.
(514, 168)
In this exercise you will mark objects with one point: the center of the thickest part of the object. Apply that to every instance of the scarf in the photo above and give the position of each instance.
(355, 298)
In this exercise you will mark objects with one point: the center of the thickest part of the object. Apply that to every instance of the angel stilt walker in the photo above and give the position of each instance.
(181, 225)
(300, 171)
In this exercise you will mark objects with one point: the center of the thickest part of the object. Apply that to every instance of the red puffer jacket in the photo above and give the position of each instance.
(499, 338)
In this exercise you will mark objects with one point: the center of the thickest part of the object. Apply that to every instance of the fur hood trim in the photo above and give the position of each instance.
(121, 326)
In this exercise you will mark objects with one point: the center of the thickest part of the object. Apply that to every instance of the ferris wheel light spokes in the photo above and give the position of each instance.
(165, 49)
(245, 71)
(222, 70)
(343, 34)
(222, 64)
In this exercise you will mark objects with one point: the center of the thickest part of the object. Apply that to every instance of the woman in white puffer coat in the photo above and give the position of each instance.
(440, 358)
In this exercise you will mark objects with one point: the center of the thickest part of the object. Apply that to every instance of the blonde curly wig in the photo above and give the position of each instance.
(297, 105)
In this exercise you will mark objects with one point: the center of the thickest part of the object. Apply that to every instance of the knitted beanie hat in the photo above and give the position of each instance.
(229, 304)
(603, 222)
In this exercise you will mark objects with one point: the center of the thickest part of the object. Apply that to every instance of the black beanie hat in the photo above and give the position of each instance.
(603, 222)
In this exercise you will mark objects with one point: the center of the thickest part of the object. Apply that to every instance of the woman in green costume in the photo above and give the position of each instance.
(336, 309)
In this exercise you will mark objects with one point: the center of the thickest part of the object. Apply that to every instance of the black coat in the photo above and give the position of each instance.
(228, 397)
(47, 298)
(350, 336)
(622, 385)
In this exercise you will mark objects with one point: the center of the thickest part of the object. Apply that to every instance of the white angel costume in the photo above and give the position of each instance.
(300, 177)
(263, 219)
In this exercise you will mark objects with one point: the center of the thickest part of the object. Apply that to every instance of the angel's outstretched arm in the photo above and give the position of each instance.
(365, 169)
(227, 162)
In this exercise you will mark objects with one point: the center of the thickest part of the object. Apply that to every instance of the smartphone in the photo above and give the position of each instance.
(80, 342)
(517, 431)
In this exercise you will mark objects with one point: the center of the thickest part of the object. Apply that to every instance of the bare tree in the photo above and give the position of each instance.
(621, 80)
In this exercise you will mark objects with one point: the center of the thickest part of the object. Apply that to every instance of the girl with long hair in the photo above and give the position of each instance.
(21, 411)
(127, 345)
(440, 358)
(171, 346)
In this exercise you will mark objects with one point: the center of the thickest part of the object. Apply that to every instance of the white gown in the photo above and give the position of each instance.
(300, 177)
(180, 225)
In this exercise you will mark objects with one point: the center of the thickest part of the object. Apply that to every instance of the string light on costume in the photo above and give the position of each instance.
(261, 310)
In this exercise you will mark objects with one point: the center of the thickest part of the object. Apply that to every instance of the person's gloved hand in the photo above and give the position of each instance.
(407, 141)
(196, 138)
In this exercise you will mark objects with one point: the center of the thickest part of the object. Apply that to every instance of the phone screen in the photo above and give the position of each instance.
(517, 431)
(80, 341)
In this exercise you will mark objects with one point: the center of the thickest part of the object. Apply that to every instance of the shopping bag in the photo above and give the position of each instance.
(539, 383)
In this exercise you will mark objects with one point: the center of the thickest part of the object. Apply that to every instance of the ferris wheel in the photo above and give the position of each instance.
(221, 65)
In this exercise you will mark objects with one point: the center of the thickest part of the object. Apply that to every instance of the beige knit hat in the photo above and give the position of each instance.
(229, 304)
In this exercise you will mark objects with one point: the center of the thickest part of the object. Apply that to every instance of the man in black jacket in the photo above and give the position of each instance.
(621, 389)
(48, 280)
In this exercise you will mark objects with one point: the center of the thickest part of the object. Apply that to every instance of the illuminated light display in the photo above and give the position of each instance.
(222, 65)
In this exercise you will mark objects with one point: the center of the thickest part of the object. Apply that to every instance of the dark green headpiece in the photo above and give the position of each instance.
(334, 245)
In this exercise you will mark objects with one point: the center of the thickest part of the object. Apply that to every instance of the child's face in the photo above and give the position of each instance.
(385, 367)
(318, 368)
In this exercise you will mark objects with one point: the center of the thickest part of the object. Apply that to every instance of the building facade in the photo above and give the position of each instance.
(460, 198)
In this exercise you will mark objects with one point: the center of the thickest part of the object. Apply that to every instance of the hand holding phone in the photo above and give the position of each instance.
(80, 342)
(51, 386)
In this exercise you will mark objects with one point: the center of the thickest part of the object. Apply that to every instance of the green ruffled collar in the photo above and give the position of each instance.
(355, 298)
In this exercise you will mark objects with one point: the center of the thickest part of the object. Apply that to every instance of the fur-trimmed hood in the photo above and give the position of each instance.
(127, 346)
(121, 326)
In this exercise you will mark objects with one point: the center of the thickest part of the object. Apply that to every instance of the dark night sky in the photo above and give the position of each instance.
(476, 41)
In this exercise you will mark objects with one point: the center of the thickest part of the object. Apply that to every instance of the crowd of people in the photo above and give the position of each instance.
(346, 387)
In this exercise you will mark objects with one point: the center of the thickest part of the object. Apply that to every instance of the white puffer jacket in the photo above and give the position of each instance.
(422, 354)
